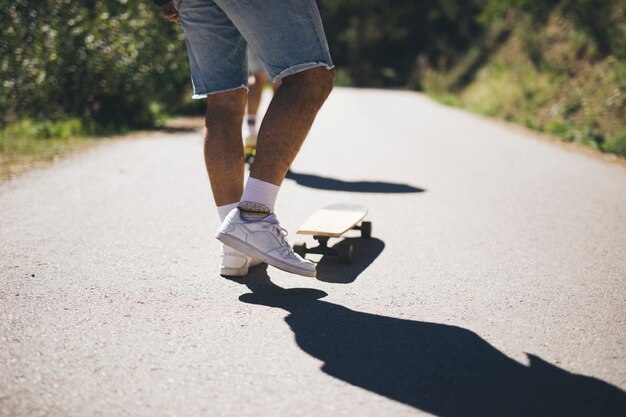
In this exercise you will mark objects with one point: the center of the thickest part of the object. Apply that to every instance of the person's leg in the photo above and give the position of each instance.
(223, 151)
(219, 73)
(294, 51)
(223, 148)
(252, 229)
(217, 59)
(288, 120)
(255, 92)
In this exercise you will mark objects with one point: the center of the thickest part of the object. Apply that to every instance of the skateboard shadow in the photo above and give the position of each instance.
(444, 370)
(331, 184)
(329, 269)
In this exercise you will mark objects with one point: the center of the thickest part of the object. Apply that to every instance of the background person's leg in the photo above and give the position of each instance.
(255, 84)
(255, 92)
(256, 81)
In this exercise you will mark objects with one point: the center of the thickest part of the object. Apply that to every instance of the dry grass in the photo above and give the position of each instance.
(551, 79)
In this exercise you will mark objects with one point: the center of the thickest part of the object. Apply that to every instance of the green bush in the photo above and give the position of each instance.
(102, 61)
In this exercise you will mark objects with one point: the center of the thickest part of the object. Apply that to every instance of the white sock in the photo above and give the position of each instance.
(251, 124)
(223, 211)
(261, 192)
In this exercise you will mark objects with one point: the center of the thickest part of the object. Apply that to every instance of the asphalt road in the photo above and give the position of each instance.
(495, 284)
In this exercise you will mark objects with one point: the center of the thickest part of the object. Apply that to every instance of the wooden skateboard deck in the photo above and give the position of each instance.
(330, 222)
(333, 221)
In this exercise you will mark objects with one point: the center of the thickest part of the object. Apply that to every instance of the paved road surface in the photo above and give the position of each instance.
(495, 284)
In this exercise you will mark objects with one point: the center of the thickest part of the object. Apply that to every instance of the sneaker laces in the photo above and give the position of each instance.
(281, 234)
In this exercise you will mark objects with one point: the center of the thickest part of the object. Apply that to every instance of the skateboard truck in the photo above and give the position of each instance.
(343, 250)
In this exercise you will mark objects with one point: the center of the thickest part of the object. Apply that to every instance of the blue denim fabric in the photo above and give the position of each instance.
(286, 35)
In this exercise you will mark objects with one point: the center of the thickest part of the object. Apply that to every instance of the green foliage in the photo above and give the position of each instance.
(377, 42)
(617, 144)
(604, 20)
(551, 77)
(104, 61)
(29, 143)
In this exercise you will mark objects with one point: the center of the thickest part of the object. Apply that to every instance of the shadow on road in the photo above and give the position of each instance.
(331, 184)
(329, 269)
(441, 369)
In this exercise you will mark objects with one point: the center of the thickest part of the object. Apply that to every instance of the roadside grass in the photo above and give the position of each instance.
(552, 80)
(31, 144)
(28, 143)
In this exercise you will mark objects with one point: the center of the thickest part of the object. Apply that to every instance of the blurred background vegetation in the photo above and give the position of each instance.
(557, 66)
(72, 69)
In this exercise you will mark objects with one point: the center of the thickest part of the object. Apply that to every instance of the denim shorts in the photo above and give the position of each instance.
(286, 35)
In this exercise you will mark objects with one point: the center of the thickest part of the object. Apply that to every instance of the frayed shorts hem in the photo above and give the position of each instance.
(299, 68)
(197, 96)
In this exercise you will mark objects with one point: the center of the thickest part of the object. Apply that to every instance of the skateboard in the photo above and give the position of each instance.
(249, 153)
(332, 222)
(249, 149)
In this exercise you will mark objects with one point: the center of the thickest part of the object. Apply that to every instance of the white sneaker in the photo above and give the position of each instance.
(234, 263)
(263, 239)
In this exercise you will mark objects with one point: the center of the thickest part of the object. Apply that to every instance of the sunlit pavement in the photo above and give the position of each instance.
(495, 284)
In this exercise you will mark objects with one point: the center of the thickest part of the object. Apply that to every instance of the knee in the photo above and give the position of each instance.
(317, 81)
(226, 107)
(325, 79)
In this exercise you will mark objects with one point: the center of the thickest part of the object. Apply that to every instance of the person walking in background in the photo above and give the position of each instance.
(288, 37)
(257, 79)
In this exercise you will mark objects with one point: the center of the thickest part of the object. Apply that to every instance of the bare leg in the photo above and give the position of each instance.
(223, 147)
(288, 120)
(256, 90)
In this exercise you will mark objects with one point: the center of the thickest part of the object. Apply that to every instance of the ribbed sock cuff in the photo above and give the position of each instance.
(261, 192)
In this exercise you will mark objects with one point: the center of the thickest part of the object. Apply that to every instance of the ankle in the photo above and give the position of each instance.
(261, 193)
(253, 211)
(222, 211)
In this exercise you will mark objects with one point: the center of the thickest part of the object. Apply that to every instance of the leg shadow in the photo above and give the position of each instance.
(322, 183)
(441, 369)
(329, 269)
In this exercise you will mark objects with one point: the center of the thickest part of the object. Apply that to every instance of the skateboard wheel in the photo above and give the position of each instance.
(366, 229)
(248, 154)
(300, 249)
(345, 253)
